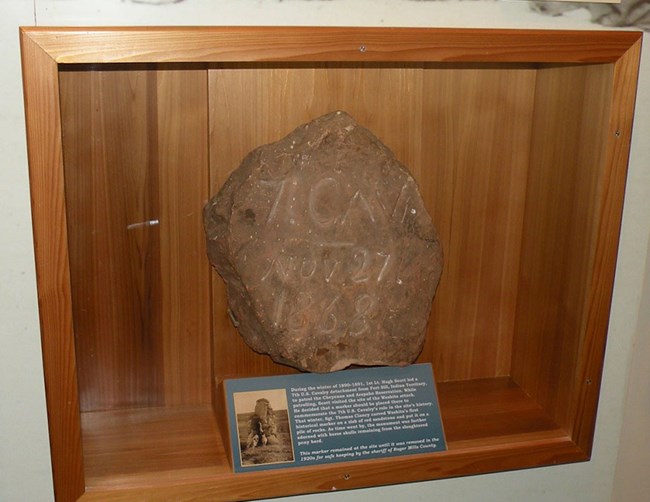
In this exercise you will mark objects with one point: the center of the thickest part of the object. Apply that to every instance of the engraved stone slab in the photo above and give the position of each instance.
(329, 255)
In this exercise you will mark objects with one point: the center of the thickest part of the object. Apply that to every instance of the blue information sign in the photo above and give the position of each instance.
(308, 419)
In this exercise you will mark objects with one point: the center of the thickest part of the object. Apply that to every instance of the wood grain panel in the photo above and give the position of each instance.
(185, 271)
(236, 44)
(559, 231)
(136, 178)
(476, 134)
(616, 144)
(110, 153)
(252, 107)
(123, 447)
(42, 116)
(485, 411)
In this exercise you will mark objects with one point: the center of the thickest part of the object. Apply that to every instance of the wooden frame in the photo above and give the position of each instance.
(534, 406)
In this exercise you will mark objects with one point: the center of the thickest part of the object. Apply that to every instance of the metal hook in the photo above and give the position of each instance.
(148, 223)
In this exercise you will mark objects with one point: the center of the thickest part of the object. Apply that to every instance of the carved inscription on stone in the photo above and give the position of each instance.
(329, 255)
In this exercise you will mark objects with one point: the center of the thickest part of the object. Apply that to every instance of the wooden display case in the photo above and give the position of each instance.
(519, 142)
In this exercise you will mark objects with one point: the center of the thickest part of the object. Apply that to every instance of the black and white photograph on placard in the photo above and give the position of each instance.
(263, 427)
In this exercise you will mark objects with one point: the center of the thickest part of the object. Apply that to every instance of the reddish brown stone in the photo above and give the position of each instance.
(329, 256)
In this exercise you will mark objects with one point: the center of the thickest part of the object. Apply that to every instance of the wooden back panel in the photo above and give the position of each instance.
(143, 314)
(476, 145)
(135, 151)
(444, 124)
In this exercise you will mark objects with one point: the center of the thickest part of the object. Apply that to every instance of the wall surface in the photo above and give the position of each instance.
(631, 481)
(24, 455)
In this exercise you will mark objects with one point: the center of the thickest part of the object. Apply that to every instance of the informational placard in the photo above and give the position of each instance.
(307, 419)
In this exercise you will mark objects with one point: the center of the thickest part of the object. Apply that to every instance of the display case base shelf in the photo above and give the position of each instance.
(157, 453)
